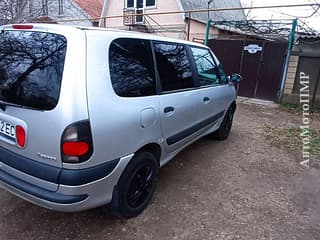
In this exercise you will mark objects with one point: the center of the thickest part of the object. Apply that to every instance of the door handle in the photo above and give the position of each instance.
(168, 109)
(206, 99)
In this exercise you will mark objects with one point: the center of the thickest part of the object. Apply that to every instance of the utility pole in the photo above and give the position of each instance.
(209, 2)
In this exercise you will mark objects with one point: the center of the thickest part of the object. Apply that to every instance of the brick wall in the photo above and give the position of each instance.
(291, 76)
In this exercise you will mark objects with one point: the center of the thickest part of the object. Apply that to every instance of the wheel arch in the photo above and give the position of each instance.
(153, 148)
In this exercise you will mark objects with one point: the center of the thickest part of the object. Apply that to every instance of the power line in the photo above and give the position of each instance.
(305, 28)
(254, 26)
(195, 11)
(309, 16)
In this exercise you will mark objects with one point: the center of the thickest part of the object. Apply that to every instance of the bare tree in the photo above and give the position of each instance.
(249, 14)
(17, 11)
(316, 8)
(12, 11)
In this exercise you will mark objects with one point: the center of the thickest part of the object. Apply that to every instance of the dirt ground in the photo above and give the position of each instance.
(242, 188)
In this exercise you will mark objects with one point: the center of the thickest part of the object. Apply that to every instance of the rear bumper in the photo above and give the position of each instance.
(55, 175)
(39, 192)
(78, 189)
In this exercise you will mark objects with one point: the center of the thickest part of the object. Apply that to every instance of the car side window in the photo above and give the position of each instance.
(132, 68)
(207, 69)
(173, 65)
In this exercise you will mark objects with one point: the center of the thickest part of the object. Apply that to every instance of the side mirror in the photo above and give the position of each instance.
(235, 78)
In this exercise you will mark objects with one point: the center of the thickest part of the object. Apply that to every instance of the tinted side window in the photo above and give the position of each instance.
(206, 67)
(174, 66)
(131, 68)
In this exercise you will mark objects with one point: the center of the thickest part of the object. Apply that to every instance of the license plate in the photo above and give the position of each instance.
(7, 129)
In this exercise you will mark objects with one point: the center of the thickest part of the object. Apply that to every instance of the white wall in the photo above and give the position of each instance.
(172, 25)
(198, 31)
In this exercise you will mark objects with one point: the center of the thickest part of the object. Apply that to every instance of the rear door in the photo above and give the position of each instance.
(180, 102)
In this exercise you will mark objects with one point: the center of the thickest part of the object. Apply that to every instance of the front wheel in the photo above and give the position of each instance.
(136, 186)
(224, 130)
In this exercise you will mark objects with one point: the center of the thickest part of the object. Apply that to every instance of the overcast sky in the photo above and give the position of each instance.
(313, 22)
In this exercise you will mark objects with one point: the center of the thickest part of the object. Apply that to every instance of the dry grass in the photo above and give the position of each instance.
(296, 109)
(291, 139)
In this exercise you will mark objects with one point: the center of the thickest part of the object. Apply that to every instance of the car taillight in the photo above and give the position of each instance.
(21, 136)
(75, 148)
(76, 142)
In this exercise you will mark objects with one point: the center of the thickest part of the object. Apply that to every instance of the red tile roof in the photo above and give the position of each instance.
(43, 19)
(92, 7)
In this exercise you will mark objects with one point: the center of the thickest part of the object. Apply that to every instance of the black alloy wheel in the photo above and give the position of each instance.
(224, 131)
(140, 186)
(226, 127)
(136, 186)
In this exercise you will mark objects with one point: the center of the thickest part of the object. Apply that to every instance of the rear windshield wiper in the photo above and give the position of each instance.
(3, 106)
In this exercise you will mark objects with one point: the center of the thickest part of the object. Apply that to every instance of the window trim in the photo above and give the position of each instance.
(156, 71)
(178, 91)
(196, 80)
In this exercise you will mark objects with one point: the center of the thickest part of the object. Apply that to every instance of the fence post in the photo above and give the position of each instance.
(290, 46)
(208, 32)
(189, 23)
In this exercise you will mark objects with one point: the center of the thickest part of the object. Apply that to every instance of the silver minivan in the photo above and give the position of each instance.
(89, 115)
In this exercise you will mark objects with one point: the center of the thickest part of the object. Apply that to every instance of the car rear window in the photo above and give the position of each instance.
(31, 67)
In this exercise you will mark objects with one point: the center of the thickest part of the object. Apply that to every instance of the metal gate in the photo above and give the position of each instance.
(261, 64)
(311, 67)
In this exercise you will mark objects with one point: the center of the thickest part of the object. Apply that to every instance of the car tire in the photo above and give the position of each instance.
(135, 187)
(224, 130)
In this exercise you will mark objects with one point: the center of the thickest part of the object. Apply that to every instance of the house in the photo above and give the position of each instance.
(86, 11)
(177, 25)
(81, 12)
(91, 8)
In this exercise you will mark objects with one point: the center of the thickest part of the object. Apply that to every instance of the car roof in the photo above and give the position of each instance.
(119, 33)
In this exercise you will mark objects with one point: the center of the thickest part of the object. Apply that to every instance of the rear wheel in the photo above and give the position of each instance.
(136, 186)
(224, 130)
